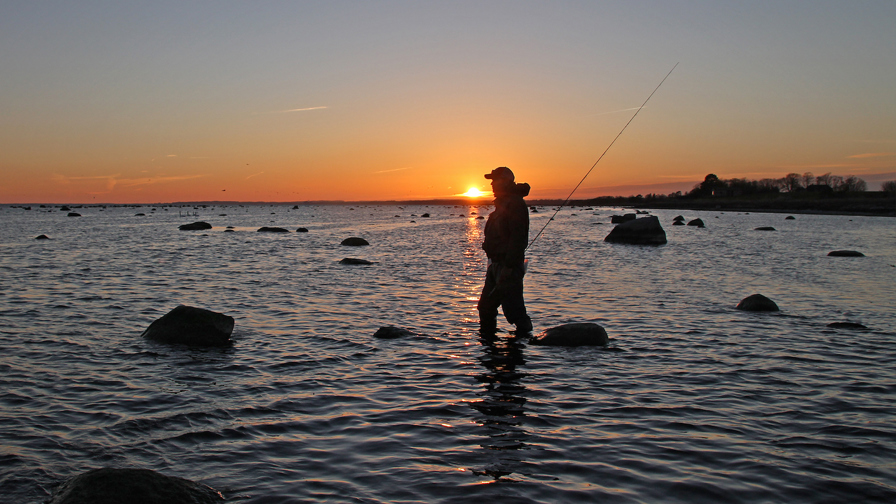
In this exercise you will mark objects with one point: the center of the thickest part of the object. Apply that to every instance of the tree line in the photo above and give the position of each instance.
(790, 183)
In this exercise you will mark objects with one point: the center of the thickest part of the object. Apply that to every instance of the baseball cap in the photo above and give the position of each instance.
(502, 172)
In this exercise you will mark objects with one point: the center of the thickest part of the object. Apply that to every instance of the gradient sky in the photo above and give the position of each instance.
(161, 101)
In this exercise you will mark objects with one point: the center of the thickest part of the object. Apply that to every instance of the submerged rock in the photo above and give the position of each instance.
(302, 230)
(392, 332)
(575, 334)
(646, 231)
(845, 253)
(187, 325)
(697, 222)
(846, 325)
(757, 302)
(352, 260)
(266, 229)
(764, 228)
(789, 217)
(74, 214)
(354, 241)
(195, 226)
(42, 237)
(136, 486)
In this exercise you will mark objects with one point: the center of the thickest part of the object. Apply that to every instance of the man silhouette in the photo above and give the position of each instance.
(506, 237)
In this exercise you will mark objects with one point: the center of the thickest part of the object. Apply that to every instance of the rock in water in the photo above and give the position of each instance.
(354, 241)
(42, 237)
(757, 302)
(845, 253)
(134, 486)
(392, 332)
(196, 226)
(266, 229)
(847, 325)
(646, 231)
(697, 222)
(576, 334)
(302, 230)
(192, 326)
(764, 228)
(74, 214)
(353, 261)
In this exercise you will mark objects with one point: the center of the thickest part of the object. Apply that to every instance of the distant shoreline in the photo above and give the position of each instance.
(867, 203)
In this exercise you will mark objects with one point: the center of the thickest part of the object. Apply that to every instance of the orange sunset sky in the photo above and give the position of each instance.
(130, 102)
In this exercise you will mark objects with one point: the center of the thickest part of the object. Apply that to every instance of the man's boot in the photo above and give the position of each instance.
(488, 327)
(524, 326)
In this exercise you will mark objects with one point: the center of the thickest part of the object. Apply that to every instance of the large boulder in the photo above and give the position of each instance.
(620, 219)
(195, 226)
(187, 325)
(575, 334)
(354, 241)
(134, 486)
(646, 231)
(758, 303)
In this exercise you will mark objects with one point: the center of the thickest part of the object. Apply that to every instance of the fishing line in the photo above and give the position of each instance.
(601, 157)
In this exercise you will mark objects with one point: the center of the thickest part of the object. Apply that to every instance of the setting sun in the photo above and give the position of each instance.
(474, 193)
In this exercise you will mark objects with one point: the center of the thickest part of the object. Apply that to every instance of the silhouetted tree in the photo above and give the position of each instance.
(854, 184)
(889, 187)
(791, 182)
(770, 185)
(824, 179)
(836, 182)
(808, 179)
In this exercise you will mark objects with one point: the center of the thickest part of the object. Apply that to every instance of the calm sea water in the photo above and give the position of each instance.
(694, 401)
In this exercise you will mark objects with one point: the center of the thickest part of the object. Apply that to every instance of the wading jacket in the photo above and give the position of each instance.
(507, 228)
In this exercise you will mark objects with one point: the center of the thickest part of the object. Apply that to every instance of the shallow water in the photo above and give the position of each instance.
(693, 401)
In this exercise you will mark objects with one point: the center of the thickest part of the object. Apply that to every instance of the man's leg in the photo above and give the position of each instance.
(489, 301)
(512, 302)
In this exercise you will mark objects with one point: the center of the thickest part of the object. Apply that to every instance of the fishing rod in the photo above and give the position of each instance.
(601, 157)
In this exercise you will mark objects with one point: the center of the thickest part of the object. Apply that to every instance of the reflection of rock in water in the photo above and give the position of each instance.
(502, 404)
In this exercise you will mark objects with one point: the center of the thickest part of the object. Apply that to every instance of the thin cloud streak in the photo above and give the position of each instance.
(113, 180)
(872, 155)
(302, 109)
(394, 170)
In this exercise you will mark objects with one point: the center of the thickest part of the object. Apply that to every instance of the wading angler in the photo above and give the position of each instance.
(506, 236)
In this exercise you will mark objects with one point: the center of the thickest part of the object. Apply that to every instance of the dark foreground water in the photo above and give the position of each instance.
(693, 402)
